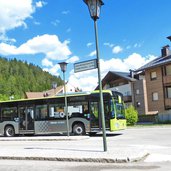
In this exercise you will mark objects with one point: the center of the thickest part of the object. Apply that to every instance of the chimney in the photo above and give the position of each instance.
(131, 73)
(165, 51)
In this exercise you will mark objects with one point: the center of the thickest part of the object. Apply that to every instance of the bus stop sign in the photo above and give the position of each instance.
(86, 65)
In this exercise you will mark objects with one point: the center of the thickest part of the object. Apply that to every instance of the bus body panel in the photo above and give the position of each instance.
(53, 126)
(14, 124)
(59, 126)
(84, 121)
(117, 124)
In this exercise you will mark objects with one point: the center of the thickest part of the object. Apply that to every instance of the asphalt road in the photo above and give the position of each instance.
(156, 141)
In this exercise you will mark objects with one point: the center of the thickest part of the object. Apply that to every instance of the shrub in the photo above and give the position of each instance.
(131, 115)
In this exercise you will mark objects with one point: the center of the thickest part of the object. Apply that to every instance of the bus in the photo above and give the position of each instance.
(46, 115)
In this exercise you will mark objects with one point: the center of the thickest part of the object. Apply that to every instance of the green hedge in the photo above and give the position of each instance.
(131, 115)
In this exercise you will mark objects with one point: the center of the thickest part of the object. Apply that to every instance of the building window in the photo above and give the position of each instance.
(168, 91)
(168, 70)
(155, 96)
(153, 75)
(137, 91)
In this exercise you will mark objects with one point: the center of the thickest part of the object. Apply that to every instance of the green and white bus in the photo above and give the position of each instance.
(46, 115)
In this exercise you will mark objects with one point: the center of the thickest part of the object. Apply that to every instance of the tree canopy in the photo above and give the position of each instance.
(18, 77)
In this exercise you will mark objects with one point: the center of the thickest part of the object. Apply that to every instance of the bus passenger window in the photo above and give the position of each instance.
(9, 113)
(56, 111)
(41, 112)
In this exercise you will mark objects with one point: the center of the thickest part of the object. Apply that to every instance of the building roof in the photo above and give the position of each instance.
(125, 75)
(51, 92)
(156, 62)
(114, 75)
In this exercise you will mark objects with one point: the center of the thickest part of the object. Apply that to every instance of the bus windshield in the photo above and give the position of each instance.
(120, 112)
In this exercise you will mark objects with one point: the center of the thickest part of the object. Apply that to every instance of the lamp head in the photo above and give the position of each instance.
(63, 66)
(169, 37)
(94, 7)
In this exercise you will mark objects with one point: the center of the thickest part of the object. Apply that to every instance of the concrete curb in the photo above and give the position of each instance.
(94, 160)
(44, 139)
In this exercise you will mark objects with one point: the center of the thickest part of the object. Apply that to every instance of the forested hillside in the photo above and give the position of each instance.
(18, 77)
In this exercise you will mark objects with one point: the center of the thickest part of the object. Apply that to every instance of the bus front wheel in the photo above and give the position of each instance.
(9, 131)
(79, 129)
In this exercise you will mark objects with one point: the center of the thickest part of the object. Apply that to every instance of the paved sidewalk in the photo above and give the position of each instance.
(73, 148)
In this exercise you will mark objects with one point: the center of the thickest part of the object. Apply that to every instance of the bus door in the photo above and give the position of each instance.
(26, 115)
(95, 115)
(96, 121)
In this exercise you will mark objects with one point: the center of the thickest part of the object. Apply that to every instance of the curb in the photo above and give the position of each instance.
(43, 139)
(94, 160)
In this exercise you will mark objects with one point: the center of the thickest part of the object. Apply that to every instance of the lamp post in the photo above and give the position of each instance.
(94, 7)
(63, 66)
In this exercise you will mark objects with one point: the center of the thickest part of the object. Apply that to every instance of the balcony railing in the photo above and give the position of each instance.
(168, 103)
(167, 79)
(127, 98)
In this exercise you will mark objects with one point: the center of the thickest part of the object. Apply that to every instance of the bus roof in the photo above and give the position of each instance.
(71, 94)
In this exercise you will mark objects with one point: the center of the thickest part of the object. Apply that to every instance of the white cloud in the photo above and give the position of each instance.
(6, 39)
(65, 12)
(47, 63)
(128, 47)
(50, 45)
(40, 4)
(14, 14)
(92, 53)
(108, 44)
(53, 70)
(36, 23)
(73, 59)
(137, 45)
(117, 49)
(89, 44)
(55, 23)
(88, 80)
(68, 30)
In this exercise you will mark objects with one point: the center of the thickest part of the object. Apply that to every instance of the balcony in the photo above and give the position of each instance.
(127, 98)
(168, 103)
(167, 79)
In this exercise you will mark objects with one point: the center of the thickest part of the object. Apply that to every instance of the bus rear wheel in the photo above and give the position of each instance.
(79, 129)
(9, 131)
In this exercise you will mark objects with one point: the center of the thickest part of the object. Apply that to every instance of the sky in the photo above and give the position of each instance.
(46, 32)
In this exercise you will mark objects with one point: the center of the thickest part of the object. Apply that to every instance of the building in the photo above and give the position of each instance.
(51, 92)
(157, 75)
(121, 82)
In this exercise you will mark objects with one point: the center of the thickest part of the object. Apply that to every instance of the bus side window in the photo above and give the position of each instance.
(56, 111)
(9, 113)
(41, 112)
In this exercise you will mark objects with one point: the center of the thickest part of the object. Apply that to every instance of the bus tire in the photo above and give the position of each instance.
(9, 131)
(79, 129)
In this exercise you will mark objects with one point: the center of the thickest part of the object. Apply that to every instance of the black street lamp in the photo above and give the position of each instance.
(63, 66)
(94, 7)
(169, 37)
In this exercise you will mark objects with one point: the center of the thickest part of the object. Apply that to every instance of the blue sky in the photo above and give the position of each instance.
(46, 32)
